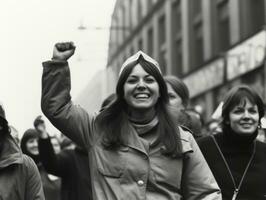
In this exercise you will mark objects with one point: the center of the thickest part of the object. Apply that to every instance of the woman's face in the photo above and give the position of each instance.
(244, 118)
(174, 98)
(141, 90)
(32, 146)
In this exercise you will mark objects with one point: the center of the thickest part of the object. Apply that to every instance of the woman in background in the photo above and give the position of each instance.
(179, 98)
(178, 92)
(29, 146)
(236, 159)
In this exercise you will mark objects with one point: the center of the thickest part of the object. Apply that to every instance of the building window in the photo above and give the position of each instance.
(176, 17)
(123, 29)
(177, 58)
(257, 15)
(149, 4)
(252, 17)
(162, 39)
(197, 35)
(162, 30)
(150, 42)
(223, 34)
(162, 61)
(177, 40)
(130, 14)
(198, 45)
(196, 8)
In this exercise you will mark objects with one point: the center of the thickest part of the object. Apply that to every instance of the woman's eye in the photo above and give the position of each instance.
(150, 80)
(171, 96)
(131, 80)
(238, 111)
(253, 111)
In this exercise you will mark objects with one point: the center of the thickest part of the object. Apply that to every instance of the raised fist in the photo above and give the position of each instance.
(63, 51)
(39, 124)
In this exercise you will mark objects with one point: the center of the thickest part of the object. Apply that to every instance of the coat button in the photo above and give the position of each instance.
(140, 182)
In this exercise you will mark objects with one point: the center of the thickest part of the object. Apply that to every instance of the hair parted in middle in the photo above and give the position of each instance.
(238, 95)
(113, 121)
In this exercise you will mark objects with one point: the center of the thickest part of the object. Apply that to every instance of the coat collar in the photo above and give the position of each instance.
(185, 140)
(11, 153)
(135, 142)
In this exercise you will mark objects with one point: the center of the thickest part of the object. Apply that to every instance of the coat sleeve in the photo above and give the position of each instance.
(198, 181)
(56, 164)
(56, 104)
(34, 189)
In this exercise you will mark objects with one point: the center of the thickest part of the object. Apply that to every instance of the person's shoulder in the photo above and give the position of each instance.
(261, 145)
(205, 139)
(66, 154)
(187, 139)
(26, 168)
(185, 128)
(28, 162)
(185, 133)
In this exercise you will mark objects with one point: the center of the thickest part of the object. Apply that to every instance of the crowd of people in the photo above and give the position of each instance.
(145, 142)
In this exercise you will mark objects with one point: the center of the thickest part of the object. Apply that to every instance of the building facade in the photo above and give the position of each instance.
(211, 44)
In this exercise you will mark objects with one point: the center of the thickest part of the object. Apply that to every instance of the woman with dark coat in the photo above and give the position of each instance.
(29, 146)
(236, 159)
(19, 176)
(71, 165)
(136, 150)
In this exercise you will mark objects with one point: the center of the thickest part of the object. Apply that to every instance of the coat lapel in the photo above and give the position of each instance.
(135, 142)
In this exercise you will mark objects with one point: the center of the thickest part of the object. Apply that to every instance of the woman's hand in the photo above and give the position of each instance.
(63, 51)
(40, 127)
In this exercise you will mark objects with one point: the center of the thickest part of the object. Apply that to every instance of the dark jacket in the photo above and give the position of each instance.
(51, 188)
(19, 176)
(134, 171)
(73, 168)
(237, 155)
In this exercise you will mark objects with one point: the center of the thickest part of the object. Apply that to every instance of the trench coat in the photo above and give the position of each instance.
(134, 171)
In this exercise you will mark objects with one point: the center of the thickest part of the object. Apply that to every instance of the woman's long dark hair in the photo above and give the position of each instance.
(113, 121)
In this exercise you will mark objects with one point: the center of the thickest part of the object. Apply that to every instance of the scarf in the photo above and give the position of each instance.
(144, 128)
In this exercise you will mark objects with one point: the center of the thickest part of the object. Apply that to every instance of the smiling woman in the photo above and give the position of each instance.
(141, 90)
(29, 146)
(236, 159)
(136, 150)
(244, 118)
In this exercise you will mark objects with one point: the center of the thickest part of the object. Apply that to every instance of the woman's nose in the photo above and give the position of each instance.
(141, 85)
(246, 114)
(35, 143)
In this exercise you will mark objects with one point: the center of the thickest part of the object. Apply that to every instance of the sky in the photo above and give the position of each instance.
(28, 31)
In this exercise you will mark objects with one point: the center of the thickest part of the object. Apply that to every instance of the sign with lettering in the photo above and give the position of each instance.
(246, 56)
(206, 78)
